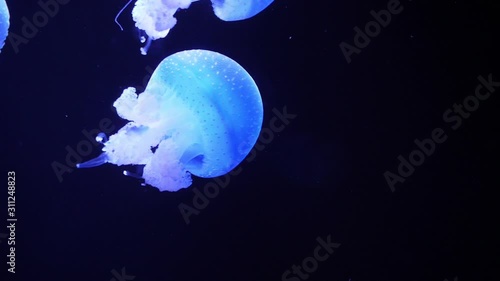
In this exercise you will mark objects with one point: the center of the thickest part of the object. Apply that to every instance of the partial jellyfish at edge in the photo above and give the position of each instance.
(156, 17)
(200, 114)
(4, 23)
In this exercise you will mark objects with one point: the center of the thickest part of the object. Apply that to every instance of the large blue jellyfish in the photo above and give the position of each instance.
(156, 17)
(200, 114)
(4, 22)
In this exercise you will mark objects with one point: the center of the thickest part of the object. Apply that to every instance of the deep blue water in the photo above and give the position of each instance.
(321, 176)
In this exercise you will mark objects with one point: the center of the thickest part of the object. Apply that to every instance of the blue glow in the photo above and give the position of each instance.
(4, 22)
(234, 10)
(201, 113)
(156, 18)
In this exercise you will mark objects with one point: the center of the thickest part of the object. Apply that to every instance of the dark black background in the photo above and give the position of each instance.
(323, 175)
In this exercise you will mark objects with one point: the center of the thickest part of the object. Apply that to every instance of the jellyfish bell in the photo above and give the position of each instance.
(234, 10)
(4, 22)
(200, 114)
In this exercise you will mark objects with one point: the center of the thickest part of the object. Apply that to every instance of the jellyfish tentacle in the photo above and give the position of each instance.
(98, 161)
(119, 13)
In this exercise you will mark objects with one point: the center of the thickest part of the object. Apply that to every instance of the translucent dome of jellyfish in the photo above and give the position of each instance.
(156, 17)
(4, 22)
(200, 114)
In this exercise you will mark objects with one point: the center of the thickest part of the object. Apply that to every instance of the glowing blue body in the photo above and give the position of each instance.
(4, 22)
(201, 112)
(157, 17)
(225, 99)
(233, 10)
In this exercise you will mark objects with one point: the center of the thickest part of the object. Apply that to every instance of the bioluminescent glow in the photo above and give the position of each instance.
(157, 17)
(200, 114)
(4, 22)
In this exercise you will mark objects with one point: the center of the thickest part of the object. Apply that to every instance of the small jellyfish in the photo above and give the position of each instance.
(234, 10)
(4, 22)
(156, 17)
(200, 114)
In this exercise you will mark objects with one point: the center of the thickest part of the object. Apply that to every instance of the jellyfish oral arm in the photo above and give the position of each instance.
(98, 161)
(101, 138)
(144, 50)
(156, 18)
